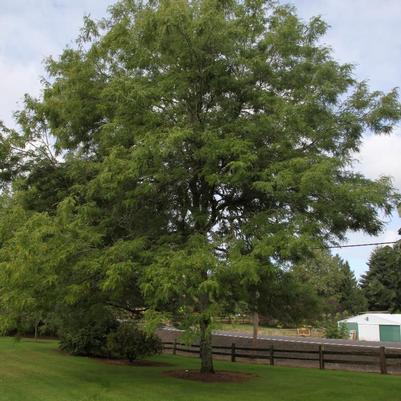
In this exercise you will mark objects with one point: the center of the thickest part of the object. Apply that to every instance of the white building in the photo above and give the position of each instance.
(374, 327)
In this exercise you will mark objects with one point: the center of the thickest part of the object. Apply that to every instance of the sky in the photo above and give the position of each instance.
(366, 33)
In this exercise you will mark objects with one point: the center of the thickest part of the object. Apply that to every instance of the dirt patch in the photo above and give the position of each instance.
(126, 362)
(218, 377)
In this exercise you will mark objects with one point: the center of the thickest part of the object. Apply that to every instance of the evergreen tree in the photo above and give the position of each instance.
(382, 282)
(351, 298)
(334, 283)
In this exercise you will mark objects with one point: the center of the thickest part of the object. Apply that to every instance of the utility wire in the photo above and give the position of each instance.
(359, 245)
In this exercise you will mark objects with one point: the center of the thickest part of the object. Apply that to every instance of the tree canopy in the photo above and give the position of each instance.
(184, 143)
(334, 283)
(382, 282)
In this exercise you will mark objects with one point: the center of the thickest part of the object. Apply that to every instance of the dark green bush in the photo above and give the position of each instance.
(128, 341)
(85, 332)
(89, 341)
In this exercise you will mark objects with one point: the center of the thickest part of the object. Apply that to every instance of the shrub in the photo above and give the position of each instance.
(334, 330)
(88, 341)
(128, 341)
(86, 333)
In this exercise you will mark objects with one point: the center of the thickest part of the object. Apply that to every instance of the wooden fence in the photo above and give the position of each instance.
(376, 357)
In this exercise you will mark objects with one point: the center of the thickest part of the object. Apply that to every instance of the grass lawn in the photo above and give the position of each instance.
(267, 331)
(248, 328)
(32, 371)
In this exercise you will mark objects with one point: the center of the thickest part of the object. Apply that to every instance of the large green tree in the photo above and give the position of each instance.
(199, 140)
(275, 294)
(382, 282)
(334, 283)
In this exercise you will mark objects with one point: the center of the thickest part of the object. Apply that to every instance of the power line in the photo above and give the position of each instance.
(359, 245)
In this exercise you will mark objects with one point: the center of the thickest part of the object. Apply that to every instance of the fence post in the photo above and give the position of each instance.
(321, 356)
(272, 355)
(383, 364)
(233, 352)
(175, 346)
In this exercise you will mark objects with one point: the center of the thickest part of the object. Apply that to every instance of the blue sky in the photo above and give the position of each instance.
(366, 33)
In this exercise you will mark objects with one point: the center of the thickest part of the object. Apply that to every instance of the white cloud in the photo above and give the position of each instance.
(20, 79)
(363, 32)
(381, 155)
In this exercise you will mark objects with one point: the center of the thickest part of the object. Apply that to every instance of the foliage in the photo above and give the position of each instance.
(85, 331)
(279, 296)
(128, 341)
(334, 283)
(46, 264)
(351, 297)
(335, 330)
(382, 282)
(86, 341)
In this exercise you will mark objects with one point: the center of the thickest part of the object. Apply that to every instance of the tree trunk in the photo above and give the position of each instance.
(255, 319)
(36, 330)
(206, 347)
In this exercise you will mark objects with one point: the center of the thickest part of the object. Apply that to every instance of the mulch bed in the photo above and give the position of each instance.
(218, 377)
(126, 362)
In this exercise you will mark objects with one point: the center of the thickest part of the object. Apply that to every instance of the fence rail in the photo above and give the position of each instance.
(378, 356)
